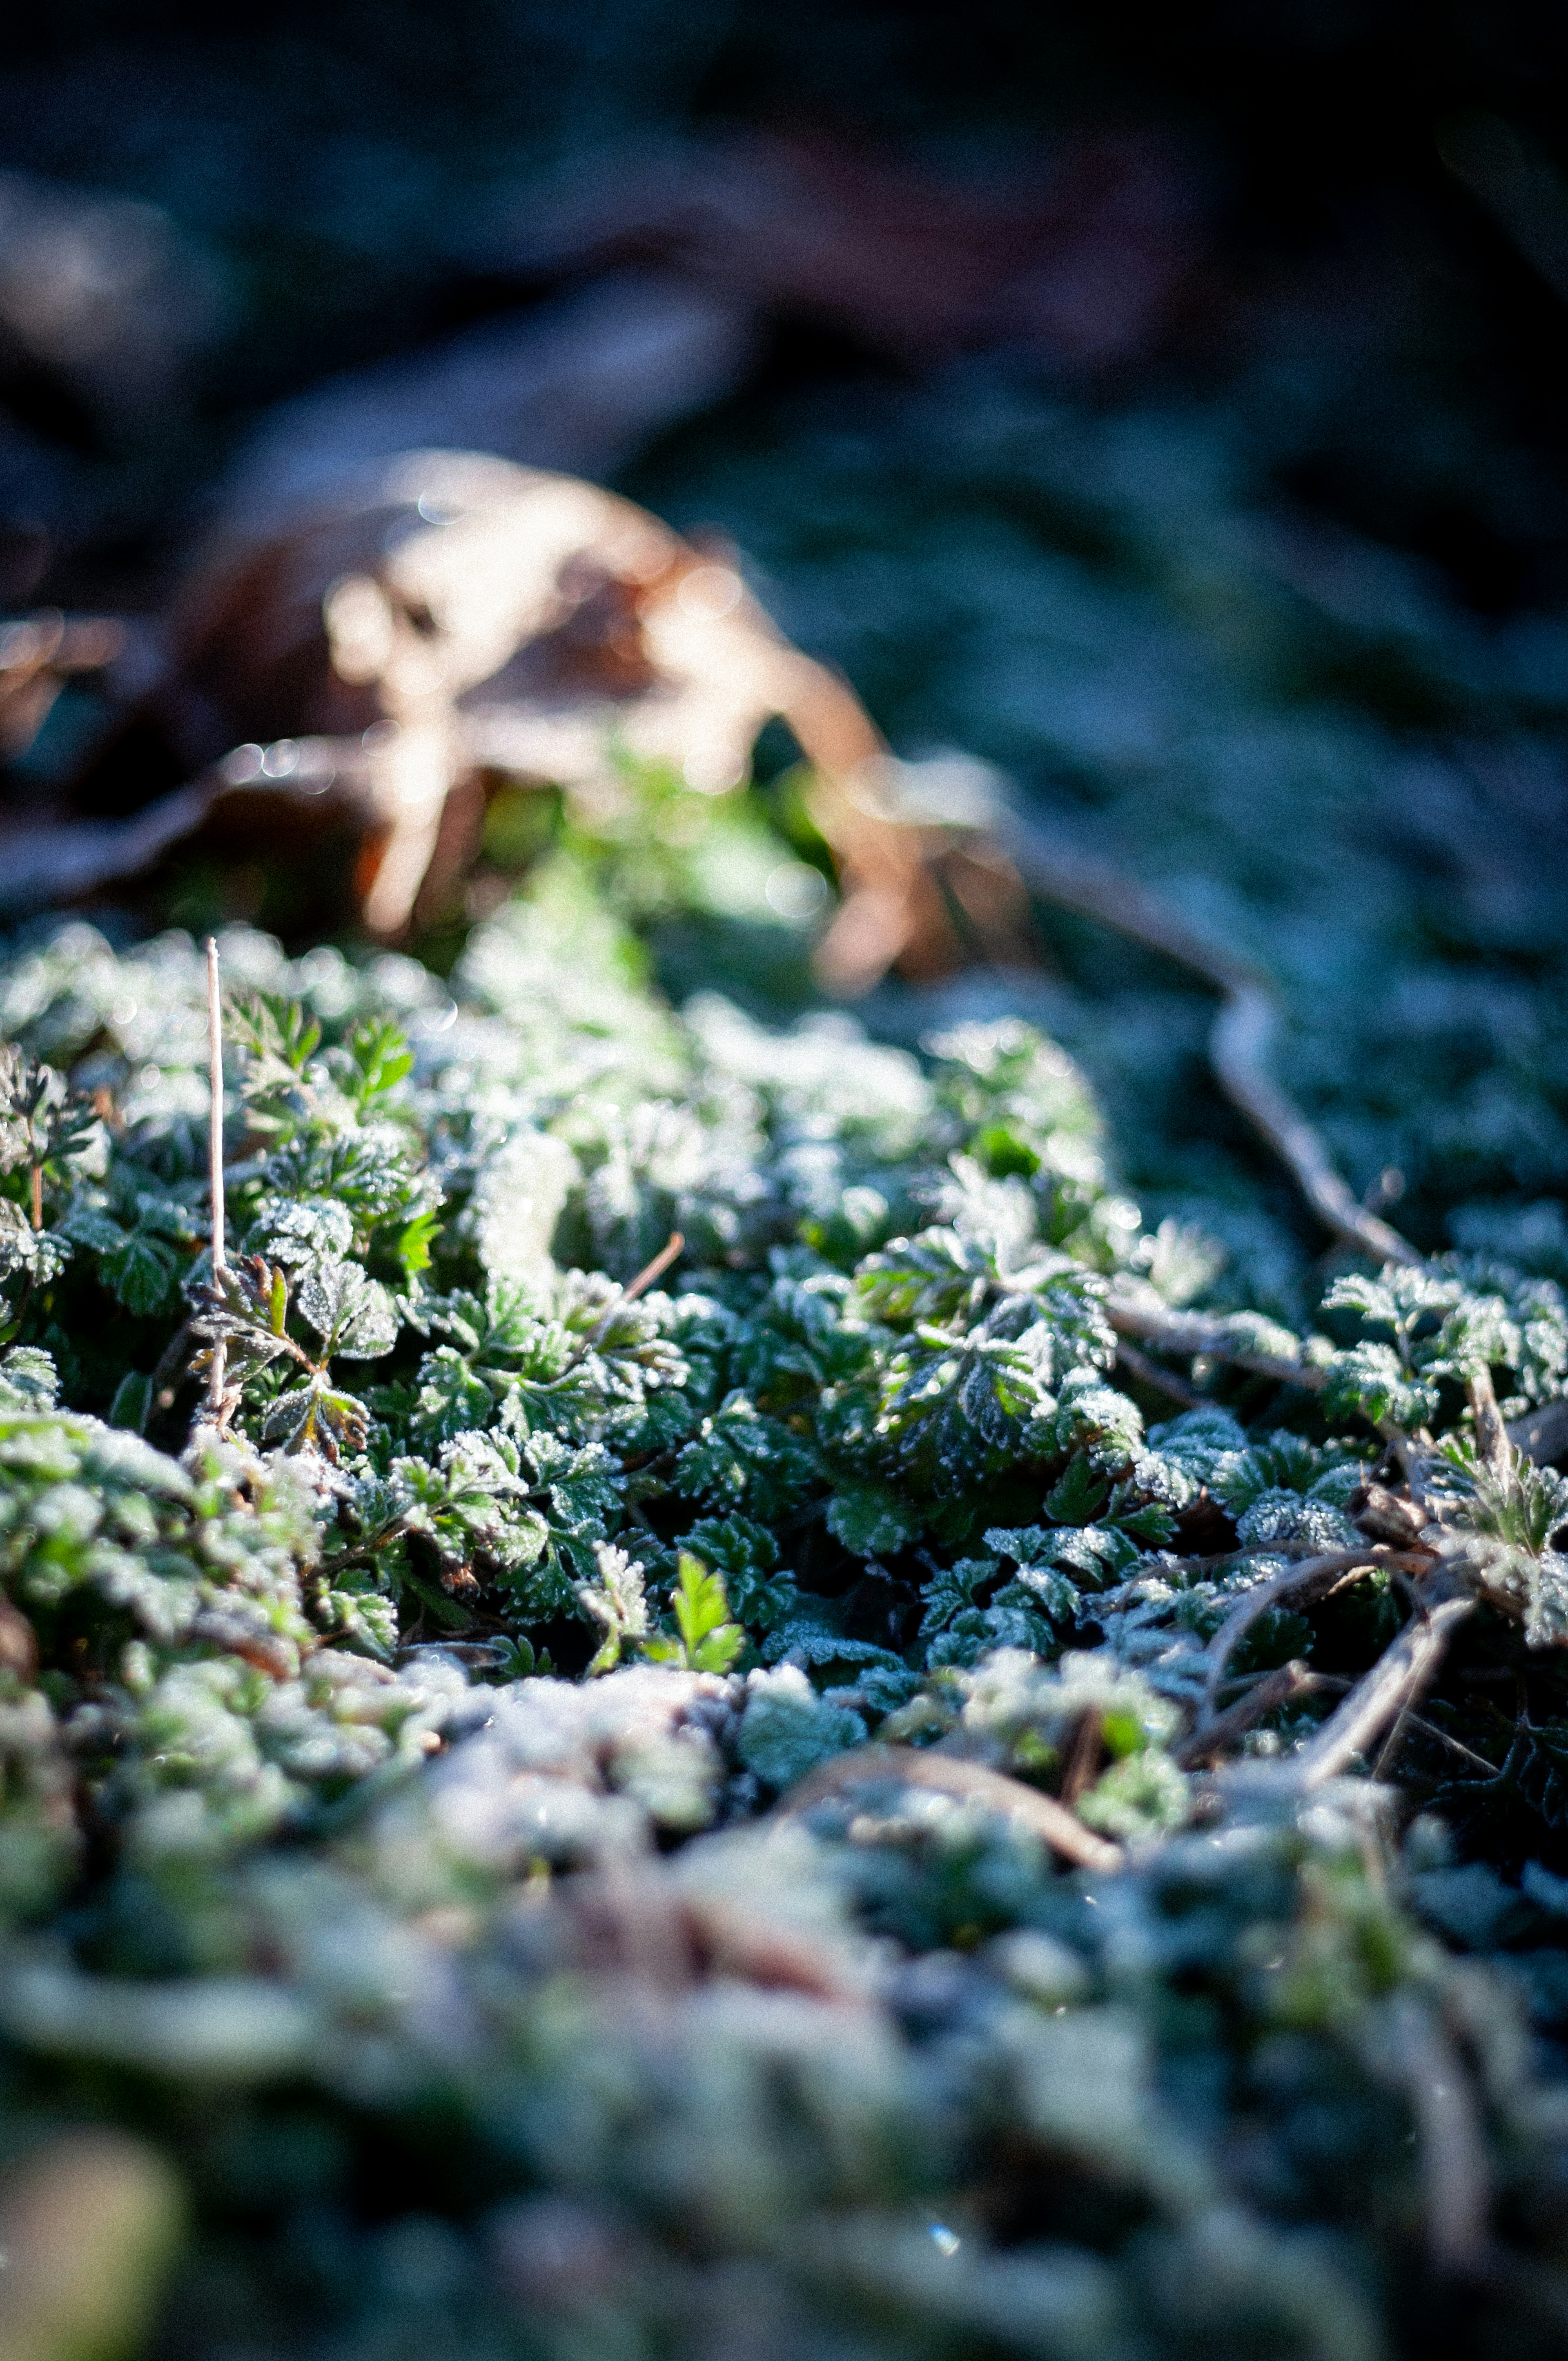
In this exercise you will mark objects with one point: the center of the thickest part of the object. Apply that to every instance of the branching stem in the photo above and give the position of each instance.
(1394, 1682)
(1242, 1034)
(1194, 1333)
(1309, 1578)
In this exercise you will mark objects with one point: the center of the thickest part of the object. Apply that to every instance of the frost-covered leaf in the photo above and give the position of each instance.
(352, 1315)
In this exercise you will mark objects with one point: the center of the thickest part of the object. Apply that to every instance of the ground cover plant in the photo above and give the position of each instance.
(705, 1701)
(745, 1689)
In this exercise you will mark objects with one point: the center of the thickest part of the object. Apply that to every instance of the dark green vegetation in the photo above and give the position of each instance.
(489, 2004)
(462, 2010)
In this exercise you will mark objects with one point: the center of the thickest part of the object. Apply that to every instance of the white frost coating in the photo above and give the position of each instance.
(517, 1201)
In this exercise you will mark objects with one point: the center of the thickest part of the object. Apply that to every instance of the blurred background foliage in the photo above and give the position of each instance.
(1167, 409)
(1166, 406)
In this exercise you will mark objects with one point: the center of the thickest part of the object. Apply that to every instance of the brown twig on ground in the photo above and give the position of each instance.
(217, 1369)
(650, 1271)
(1238, 1050)
(1243, 1032)
(653, 1268)
(1394, 1682)
(1493, 1447)
(1309, 1578)
(1150, 1373)
(1291, 1681)
(1409, 1719)
(951, 1774)
(167, 1375)
(1273, 1690)
(1085, 1756)
(1195, 1333)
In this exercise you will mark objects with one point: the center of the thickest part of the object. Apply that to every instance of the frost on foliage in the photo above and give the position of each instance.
(1438, 1323)
(883, 1356)
(787, 1727)
(618, 1602)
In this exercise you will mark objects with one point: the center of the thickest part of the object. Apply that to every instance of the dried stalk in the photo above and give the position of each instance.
(1283, 1687)
(1194, 1331)
(1307, 1580)
(1452, 2149)
(1399, 1677)
(1150, 1373)
(1243, 1032)
(654, 1270)
(217, 1371)
(1493, 1447)
(1213, 1737)
(650, 1271)
(949, 1774)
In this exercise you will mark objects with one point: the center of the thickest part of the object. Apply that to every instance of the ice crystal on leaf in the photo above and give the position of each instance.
(850, 1483)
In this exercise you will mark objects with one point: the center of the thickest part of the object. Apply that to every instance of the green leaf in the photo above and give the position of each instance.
(132, 1402)
(353, 1316)
(414, 1241)
(380, 1059)
(28, 1380)
(709, 1643)
(142, 1273)
(1371, 1379)
(872, 1520)
(698, 1600)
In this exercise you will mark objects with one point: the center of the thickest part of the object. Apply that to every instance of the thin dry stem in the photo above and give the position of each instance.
(644, 1279)
(1452, 2148)
(1243, 1033)
(1238, 1050)
(218, 1372)
(1268, 1690)
(1213, 1737)
(1308, 1579)
(949, 1774)
(655, 1269)
(1194, 1333)
(1395, 1682)
(1493, 1448)
(1150, 1373)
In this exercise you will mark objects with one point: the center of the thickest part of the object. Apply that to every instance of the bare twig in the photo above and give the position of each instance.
(1086, 1756)
(1150, 1373)
(1238, 1050)
(166, 1377)
(949, 1774)
(650, 1271)
(1453, 2150)
(1194, 1331)
(1242, 1034)
(1493, 1447)
(654, 1270)
(1213, 1737)
(1267, 1690)
(1395, 1682)
(1307, 1580)
(217, 1371)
